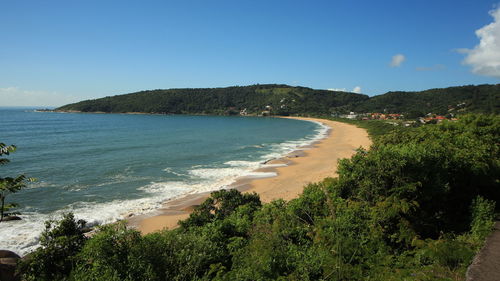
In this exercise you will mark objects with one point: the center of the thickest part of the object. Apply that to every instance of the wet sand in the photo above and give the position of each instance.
(310, 165)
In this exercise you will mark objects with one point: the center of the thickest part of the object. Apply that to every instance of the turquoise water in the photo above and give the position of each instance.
(105, 166)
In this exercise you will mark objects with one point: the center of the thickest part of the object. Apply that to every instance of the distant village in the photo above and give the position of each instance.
(427, 119)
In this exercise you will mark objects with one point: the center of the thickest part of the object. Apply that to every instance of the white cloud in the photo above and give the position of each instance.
(14, 96)
(356, 90)
(485, 57)
(397, 60)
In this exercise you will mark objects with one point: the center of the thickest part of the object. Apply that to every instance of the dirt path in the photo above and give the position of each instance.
(486, 264)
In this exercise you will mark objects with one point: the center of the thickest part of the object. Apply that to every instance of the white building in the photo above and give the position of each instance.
(351, 115)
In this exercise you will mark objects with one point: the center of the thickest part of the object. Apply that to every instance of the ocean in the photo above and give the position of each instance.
(103, 167)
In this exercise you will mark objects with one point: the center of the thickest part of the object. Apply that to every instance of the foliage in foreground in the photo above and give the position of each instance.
(60, 243)
(417, 206)
(9, 185)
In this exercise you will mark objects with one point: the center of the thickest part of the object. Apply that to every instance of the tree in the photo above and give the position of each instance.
(9, 185)
(220, 205)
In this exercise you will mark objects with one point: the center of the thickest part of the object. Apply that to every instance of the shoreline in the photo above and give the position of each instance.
(305, 165)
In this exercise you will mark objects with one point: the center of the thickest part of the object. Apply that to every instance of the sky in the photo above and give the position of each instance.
(57, 52)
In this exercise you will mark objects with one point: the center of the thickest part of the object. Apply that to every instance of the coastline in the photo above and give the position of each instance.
(303, 166)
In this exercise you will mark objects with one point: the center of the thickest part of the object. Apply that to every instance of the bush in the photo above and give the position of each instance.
(220, 205)
(60, 244)
(115, 253)
(483, 218)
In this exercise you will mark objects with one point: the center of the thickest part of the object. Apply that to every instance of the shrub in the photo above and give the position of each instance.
(60, 243)
(483, 217)
(114, 252)
(219, 205)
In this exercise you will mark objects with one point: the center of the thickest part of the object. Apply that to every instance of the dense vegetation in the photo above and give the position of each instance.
(416, 206)
(287, 100)
(281, 99)
(482, 98)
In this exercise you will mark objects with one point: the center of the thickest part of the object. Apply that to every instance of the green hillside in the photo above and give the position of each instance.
(482, 98)
(281, 99)
(286, 100)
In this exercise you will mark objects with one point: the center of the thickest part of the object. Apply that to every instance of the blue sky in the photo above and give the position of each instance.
(55, 52)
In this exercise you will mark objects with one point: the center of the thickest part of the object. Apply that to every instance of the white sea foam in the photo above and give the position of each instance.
(260, 175)
(39, 184)
(279, 150)
(240, 163)
(210, 179)
(27, 231)
(273, 165)
(171, 171)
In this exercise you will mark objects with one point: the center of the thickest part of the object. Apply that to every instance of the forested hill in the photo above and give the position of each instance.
(480, 99)
(284, 100)
(278, 99)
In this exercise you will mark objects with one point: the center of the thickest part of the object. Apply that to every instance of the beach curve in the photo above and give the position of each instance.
(306, 166)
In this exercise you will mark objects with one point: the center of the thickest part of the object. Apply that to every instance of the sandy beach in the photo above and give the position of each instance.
(303, 166)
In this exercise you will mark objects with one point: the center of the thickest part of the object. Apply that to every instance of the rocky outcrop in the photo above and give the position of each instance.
(8, 262)
(11, 218)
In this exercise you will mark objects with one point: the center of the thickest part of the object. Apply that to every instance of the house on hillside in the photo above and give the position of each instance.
(378, 116)
(351, 115)
(433, 119)
(395, 116)
(440, 118)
